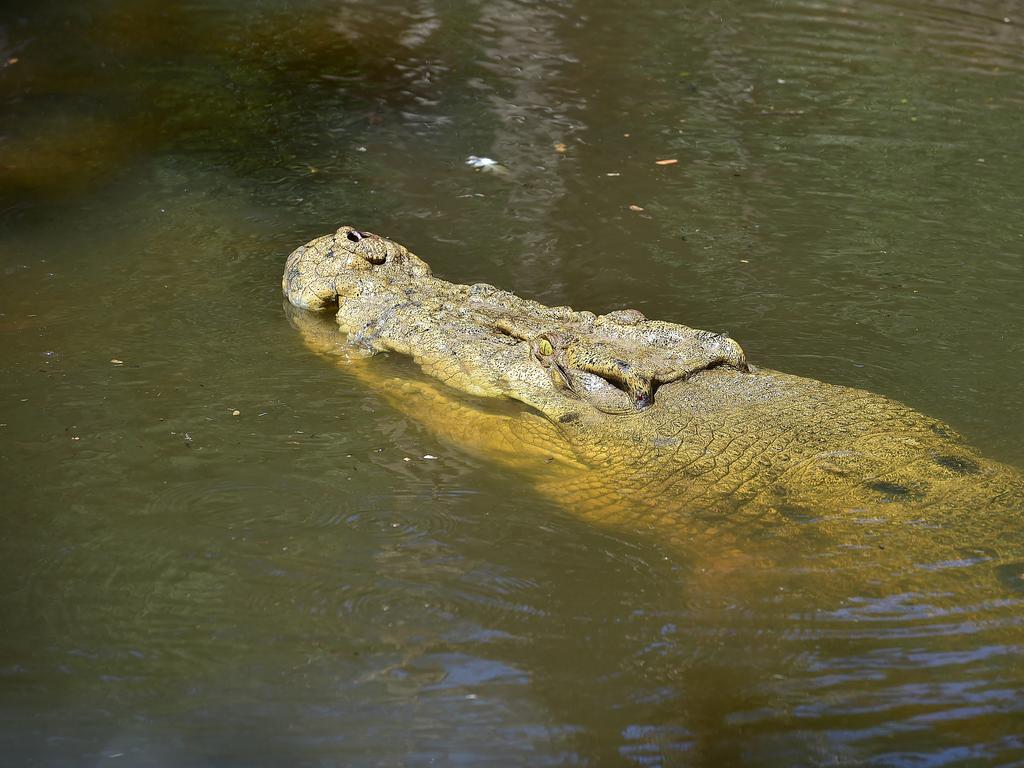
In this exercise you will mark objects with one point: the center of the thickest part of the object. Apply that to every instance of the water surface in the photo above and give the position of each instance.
(187, 586)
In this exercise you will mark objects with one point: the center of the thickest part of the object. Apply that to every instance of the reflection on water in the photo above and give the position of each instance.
(190, 586)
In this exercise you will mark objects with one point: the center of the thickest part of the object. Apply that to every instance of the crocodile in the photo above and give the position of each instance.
(633, 422)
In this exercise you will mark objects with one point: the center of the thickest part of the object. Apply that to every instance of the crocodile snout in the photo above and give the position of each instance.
(323, 270)
(373, 248)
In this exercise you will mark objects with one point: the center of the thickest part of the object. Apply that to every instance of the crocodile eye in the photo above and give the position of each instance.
(354, 236)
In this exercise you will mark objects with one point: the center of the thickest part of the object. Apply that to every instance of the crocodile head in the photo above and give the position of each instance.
(489, 342)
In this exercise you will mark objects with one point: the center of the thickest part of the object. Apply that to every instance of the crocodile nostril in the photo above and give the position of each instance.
(354, 236)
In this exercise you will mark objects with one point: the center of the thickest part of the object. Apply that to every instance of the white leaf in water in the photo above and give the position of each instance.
(480, 162)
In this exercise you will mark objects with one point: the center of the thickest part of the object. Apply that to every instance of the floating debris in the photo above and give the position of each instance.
(429, 456)
(115, 361)
(236, 413)
(560, 148)
(487, 165)
(480, 162)
(635, 207)
(666, 162)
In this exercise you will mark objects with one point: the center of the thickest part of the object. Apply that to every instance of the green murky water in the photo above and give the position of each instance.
(187, 587)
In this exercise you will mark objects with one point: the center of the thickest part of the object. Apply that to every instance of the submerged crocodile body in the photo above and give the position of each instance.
(632, 421)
